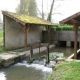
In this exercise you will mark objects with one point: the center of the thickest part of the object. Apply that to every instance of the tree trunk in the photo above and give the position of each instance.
(50, 13)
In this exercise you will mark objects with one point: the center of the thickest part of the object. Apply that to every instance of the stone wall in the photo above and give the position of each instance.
(14, 36)
(61, 36)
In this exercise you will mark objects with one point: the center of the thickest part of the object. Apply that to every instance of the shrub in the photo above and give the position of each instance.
(63, 27)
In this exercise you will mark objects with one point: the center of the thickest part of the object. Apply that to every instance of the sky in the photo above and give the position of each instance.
(66, 8)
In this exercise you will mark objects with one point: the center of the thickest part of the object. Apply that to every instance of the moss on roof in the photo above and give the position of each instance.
(28, 19)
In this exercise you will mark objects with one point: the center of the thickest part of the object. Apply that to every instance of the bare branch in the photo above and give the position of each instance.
(57, 13)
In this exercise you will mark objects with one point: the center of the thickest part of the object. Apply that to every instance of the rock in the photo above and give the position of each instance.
(8, 62)
(60, 59)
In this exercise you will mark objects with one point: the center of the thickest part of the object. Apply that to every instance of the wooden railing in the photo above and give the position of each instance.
(40, 45)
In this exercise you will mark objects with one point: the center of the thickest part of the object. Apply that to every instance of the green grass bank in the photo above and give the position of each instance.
(66, 71)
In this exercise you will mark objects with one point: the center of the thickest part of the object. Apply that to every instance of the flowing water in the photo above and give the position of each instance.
(34, 71)
(25, 71)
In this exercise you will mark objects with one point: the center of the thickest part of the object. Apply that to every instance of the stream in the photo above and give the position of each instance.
(25, 71)
(35, 71)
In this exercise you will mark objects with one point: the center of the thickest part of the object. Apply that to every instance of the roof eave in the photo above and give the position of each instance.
(68, 20)
(17, 20)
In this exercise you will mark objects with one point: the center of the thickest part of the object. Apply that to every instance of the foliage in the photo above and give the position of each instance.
(63, 27)
(43, 56)
(31, 60)
(66, 71)
(27, 7)
(17, 53)
(51, 10)
(54, 55)
(28, 19)
(2, 49)
(1, 37)
(1, 42)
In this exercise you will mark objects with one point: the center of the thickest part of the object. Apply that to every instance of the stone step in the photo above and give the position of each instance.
(11, 57)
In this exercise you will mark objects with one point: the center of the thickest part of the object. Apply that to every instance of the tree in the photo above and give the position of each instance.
(27, 7)
(32, 10)
(50, 13)
(51, 9)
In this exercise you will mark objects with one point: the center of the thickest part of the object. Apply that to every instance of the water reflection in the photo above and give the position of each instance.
(67, 51)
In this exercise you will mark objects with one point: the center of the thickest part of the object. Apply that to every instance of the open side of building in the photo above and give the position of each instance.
(22, 30)
(75, 21)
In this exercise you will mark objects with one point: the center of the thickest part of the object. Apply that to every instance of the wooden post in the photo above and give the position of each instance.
(31, 51)
(75, 37)
(48, 33)
(39, 50)
(48, 54)
(25, 38)
(75, 40)
(25, 30)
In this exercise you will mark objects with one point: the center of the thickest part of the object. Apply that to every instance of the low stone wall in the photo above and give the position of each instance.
(60, 36)
(7, 59)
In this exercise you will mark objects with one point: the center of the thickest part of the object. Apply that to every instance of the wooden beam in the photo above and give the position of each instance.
(25, 35)
(75, 38)
(25, 38)
(75, 21)
(22, 27)
(48, 33)
(25, 29)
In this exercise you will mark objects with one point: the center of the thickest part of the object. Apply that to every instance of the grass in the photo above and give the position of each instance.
(1, 37)
(1, 42)
(66, 71)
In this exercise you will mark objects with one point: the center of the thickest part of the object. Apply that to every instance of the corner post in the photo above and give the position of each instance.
(75, 37)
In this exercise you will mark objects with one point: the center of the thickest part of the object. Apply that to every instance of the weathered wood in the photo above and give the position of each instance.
(25, 39)
(75, 38)
(75, 21)
(39, 50)
(26, 31)
(31, 51)
(22, 27)
(72, 55)
(48, 33)
(40, 45)
(48, 54)
(68, 20)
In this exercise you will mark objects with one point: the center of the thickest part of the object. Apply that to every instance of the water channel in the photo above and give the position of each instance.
(26, 71)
